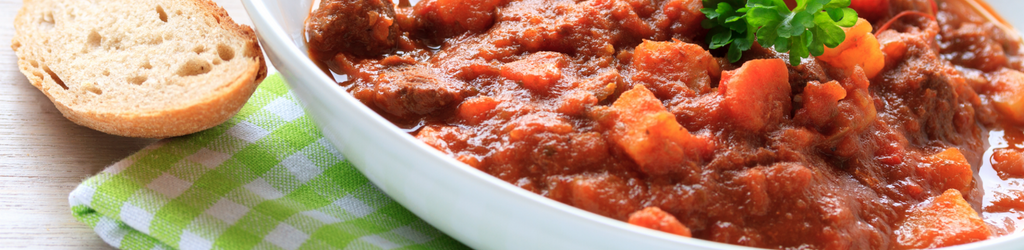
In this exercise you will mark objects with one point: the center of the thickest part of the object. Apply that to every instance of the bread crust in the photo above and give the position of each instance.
(211, 109)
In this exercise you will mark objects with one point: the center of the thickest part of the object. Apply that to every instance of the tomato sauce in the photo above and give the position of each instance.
(1003, 207)
(907, 135)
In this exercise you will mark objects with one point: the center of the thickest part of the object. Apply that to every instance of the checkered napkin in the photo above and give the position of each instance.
(265, 179)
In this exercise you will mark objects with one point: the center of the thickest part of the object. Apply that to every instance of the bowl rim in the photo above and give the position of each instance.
(272, 35)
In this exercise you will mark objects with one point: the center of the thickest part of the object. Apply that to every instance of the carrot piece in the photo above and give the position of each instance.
(652, 137)
(1008, 163)
(470, 160)
(757, 94)
(440, 137)
(821, 103)
(602, 194)
(451, 17)
(657, 219)
(1007, 91)
(674, 68)
(476, 110)
(860, 49)
(948, 169)
(538, 71)
(947, 220)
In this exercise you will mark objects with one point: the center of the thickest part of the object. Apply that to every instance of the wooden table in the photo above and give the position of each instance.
(43, 156)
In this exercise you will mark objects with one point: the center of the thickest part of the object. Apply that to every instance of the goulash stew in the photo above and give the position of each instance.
(618, 107)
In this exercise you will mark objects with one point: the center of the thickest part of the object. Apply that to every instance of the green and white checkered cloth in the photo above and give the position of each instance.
(265, 179)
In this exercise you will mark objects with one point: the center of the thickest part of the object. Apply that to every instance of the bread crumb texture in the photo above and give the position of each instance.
(147, 68)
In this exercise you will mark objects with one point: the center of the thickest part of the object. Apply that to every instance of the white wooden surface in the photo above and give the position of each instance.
(43, 156)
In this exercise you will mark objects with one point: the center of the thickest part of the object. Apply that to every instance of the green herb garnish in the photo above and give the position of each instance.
(801, 31)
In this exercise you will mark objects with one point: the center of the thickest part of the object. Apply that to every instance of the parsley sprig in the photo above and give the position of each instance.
(801, 31)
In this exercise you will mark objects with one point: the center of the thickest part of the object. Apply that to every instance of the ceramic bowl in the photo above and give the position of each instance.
(471, 206)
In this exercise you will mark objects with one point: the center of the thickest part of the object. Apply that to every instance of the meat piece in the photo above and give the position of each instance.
(924, 93)
(416, 91)
(975, 46)
(447, 18)
(362, 28)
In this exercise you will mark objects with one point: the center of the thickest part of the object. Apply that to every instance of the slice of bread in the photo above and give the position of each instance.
(139, 68)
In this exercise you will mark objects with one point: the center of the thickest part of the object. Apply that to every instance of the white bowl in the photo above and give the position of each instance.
(473, 207)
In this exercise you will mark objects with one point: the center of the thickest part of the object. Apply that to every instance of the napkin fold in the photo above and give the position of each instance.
(265, 179)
